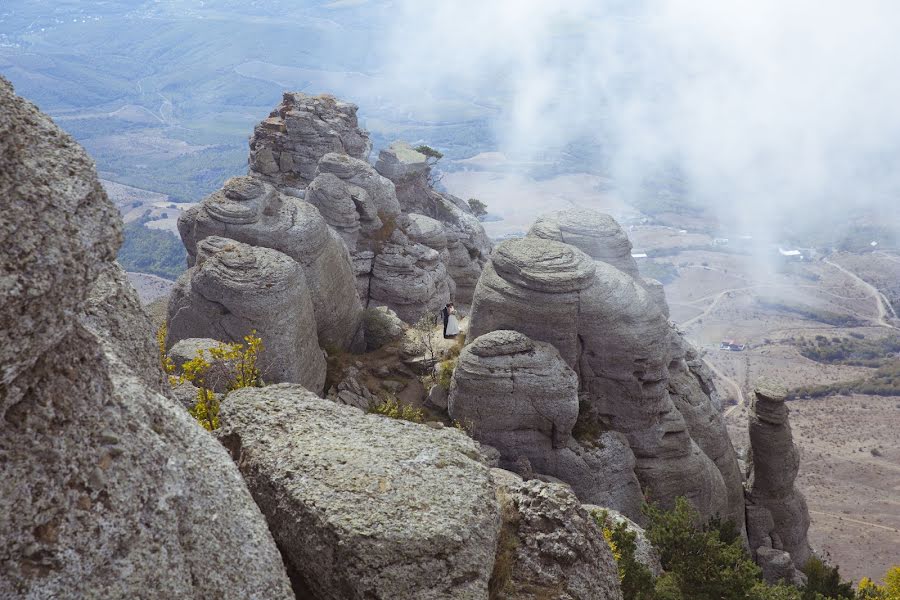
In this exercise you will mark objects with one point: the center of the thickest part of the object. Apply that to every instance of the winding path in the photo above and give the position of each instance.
(857, 521)
(880, 301)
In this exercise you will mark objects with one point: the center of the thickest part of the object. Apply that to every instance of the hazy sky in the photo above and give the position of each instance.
(762, 104)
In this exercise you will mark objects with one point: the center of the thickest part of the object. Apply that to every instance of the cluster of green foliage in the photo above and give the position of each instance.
(445, 372)
(854, 350)
(663, 272)
(479, 208)
(808, 312)
(390, 406)
(430, 153)
(709, 563)
(243, 359)
(884, 381)
(152, 251)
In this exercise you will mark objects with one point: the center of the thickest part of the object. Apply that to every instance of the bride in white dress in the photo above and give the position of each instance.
(452, 322)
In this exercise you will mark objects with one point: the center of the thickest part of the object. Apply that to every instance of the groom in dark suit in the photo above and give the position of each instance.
(445, 315)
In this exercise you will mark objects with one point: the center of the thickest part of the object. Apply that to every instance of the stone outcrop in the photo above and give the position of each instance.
(380, 189)
(253, 212)
(777, 515)
(692, 390)
(614, 334)
(521, 398)
(410, 279)
(286, 147)
(550, 547)
(383, 327)
(363, 506)
(234, 289)
(108, 485)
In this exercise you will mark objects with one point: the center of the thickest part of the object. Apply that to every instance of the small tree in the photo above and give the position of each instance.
(479, 208)
(432, 157)
(424, 331)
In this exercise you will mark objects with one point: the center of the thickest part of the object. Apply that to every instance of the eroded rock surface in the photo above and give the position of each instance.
(253, 212)
(521, 398)
(108, 485)
(550, 547)
(363, 506)
(235, 289)
(286, 147)
(777, 515)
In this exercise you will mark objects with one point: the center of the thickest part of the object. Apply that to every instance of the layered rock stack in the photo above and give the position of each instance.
(108, 486)
(311, 147)
(233, 290)
(777, 515)
(614, 336)
(286, 147)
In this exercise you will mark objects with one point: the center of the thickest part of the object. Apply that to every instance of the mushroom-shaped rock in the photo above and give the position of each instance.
(108, 486)
(235, 289)
(364, 506)
(250, 211)
(286, 147)
(770, 488)
(358, 172)
(597, 234)
(550, 547)
(532, 286)
(507, 385)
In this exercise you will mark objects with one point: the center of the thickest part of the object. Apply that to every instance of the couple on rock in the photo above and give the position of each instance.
(451, 323)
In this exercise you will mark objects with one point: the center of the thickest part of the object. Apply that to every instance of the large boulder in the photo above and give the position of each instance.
(362, 506)
(550, 547)
(250, 211)
(410, 279)
(286, 147)
(520, 397)
(109, 488)
(777, 515)
(380, 189)
(235, 289)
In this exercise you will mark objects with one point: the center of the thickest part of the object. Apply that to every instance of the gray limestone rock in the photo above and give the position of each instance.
(426, 231)
(610, 330)
(596, 234)
(409, 279)
(364, 506)
(338, 200)
(383, 327)
(550, 547)
(114, 312)
(380, 189)
(286, 147)
(59, 229)
(400, 161)
(774, 463)
(234, 289)
(777, 567)
(692, 391)
(252, 212)
(520, 397)
(108, 486)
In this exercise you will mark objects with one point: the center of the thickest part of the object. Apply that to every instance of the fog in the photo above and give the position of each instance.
(773, 112)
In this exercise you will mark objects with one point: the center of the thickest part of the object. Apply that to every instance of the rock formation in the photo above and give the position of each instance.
(109, 486)
(363, 506)
(550, 547)
(614, 334)
(250, 211)
(286, 147)
(644, 552)
(521, 398)
(233, 290)
(777, 515)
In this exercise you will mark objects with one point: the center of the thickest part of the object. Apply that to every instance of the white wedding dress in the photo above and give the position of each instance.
(452, 325)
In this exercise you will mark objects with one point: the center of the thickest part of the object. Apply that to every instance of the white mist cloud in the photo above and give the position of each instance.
(770, 108)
